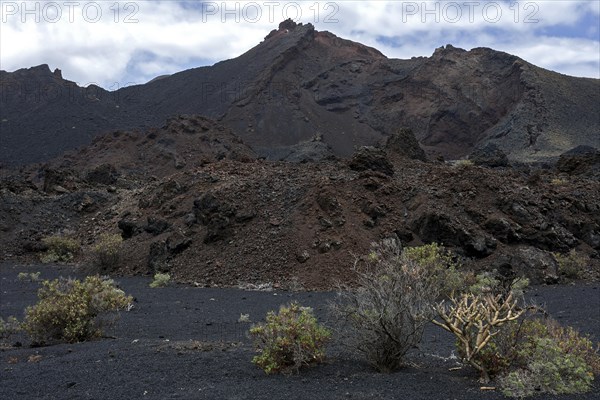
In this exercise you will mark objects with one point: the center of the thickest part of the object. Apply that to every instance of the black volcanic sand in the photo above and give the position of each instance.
(185, 342)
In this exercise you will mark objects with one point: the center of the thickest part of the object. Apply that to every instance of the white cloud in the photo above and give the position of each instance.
(169, 36)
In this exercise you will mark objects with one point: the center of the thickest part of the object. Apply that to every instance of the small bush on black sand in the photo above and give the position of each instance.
(160, 280)
(8, 327)
(71, 310)
(29, 277)
(549, 370)
(60, 249)
(385, 315)
(107, 252)
(571, 265)
(289, 340)
(530, 355)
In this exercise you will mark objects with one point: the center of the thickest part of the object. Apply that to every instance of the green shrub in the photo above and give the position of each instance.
(107, 252)
(438, 263)
(289, 340)
(31, 277)
(160, 280)
(494, 283)
(565, 337)
(513, 347)
(571, 265)
(70, 310)
(549, 370)
(60, 249)
(8, 327)
(385, 315)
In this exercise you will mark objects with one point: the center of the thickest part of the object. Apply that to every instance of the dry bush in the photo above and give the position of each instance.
(475, 320)
(384, 317)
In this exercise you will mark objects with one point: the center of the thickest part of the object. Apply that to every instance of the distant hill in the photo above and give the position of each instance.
(300, 85)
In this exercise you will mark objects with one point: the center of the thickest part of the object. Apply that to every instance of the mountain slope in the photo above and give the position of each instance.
(302, 86)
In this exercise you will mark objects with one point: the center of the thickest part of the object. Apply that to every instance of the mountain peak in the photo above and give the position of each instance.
(287, 26)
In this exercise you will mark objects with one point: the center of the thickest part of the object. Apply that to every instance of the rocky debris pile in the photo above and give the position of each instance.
(222, 218)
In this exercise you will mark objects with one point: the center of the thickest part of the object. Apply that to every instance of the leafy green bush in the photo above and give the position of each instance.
(60, 249)
(494, 283)
(439, 265)
(107, 252)
(571, 265)
(549, 370)
(70, 310)
(385, 315)
(160, 280)
(289, 340)
(565, 337)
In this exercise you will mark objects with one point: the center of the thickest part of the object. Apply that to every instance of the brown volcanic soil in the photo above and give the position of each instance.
(185, 342)
(300, 84)
(191, 199)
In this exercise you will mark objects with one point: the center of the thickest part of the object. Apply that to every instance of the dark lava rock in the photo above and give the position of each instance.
(176, 243)
(129, 228)
(441, 228)
(537, 265)
(156, 226)
(371, 158)
(489, 156)
(105, 174)
(405, 144)
(580, 160)
(158, 257)
(58, 179)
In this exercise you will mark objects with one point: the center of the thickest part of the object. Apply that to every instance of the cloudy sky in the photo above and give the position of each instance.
(119, 43)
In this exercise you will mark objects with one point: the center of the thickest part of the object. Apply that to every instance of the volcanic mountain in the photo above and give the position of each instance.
(302, 91)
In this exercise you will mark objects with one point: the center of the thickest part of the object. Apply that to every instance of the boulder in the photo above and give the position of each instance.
(405, 144)
(580, 160)
(371, 158)
(489, 156)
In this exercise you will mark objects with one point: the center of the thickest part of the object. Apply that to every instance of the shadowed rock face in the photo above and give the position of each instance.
(300, 84)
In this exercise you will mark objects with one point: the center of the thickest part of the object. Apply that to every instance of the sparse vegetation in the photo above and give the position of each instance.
(107, 252)
(160, 280)
(244, 318)
(8, 327)
(289, 340)
(558, 182)
(571, 265)
(31, 277)
(60, 249)
(71, 310)
(462, 164)
(385, 315)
